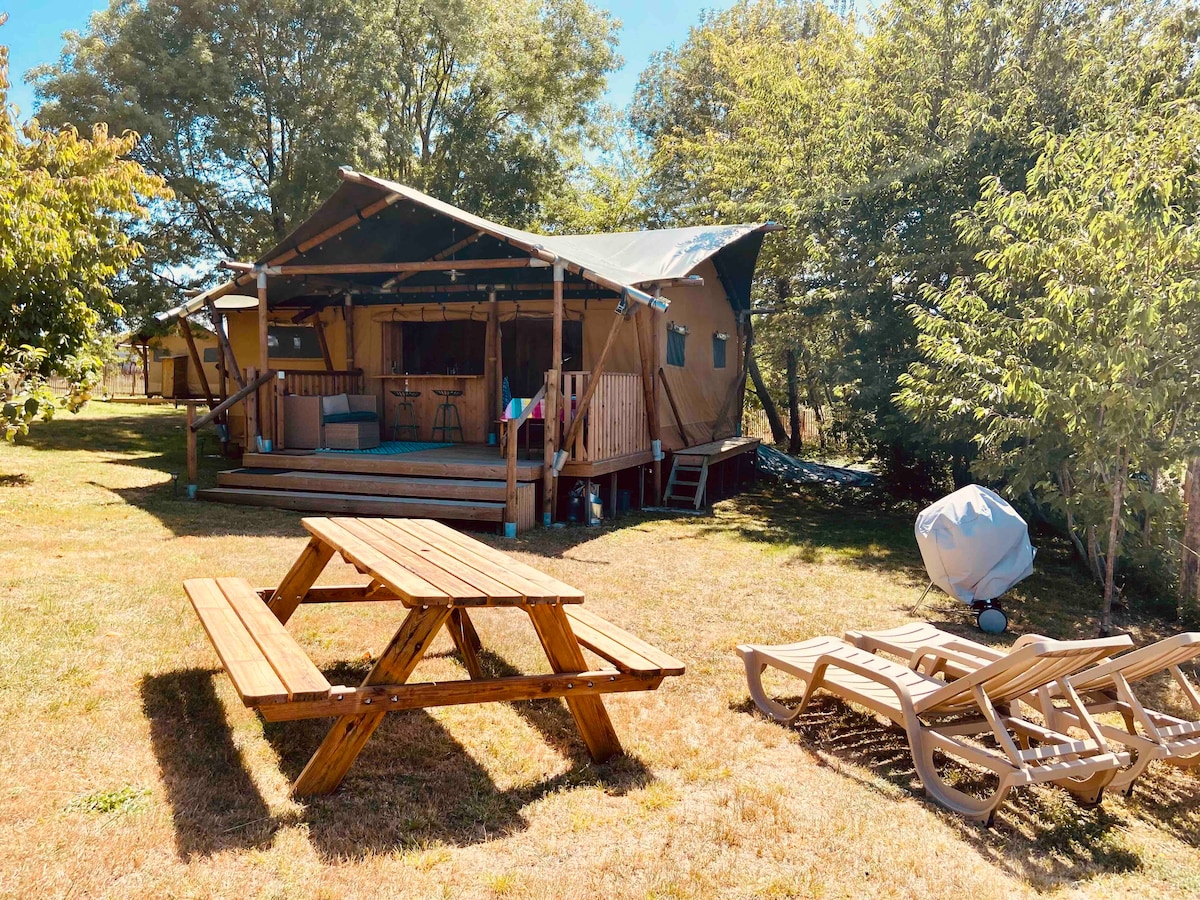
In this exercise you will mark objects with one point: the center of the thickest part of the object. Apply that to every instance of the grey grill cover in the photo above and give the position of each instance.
(974, 545)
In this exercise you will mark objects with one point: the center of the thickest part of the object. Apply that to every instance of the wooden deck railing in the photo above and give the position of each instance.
(323, 384)
(615, 423)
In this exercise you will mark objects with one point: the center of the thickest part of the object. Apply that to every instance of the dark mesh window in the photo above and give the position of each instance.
(719, 352)
(293, 342)
(675, 342)
(210, 355)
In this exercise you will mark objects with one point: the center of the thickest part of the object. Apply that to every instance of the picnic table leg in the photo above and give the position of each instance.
(329, 765)
(562, 649)
(466, 639)
(303, 573)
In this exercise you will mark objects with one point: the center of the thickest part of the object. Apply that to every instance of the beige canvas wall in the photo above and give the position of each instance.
(699, 389)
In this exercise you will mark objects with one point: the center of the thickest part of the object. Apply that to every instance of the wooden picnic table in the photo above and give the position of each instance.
(438, 574)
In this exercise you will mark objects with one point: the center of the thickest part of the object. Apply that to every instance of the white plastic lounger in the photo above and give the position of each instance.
(1105, 687)
(938, 716)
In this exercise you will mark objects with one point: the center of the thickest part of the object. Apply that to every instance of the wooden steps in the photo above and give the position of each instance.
(348, 493)
(688, 481)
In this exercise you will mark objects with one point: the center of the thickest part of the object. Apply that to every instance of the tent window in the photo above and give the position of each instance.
(210, 355)
(719, 342)
(676, 337)
(158, 353)
(293, 342)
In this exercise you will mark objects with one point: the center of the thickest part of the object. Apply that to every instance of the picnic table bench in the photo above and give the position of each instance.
(437, 574)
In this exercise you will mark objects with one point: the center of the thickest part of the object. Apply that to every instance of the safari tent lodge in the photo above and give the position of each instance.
(396, 355)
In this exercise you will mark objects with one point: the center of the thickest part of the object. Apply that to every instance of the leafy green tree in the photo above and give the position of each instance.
(1070, 359)
(247, 107)
(66, 204)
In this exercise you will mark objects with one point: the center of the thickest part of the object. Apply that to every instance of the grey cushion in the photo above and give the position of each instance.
(335, 404)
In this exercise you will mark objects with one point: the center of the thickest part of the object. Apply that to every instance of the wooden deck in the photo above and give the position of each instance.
(477, 461)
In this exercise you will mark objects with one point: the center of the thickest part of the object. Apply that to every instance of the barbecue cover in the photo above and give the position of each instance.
(974, 545)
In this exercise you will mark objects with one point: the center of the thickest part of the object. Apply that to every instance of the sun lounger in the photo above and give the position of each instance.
(1104, 688)
(939, 716)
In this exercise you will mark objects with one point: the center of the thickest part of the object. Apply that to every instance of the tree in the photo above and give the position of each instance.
(1071, 359)
(246, 108)
(65, 206)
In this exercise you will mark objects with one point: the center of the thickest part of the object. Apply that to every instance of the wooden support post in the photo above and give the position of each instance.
(553, 403)
(222, 368)
(193, 461)
(194, 353)
(510, 479)
(278, 389)
(466, 639)
(146, 367)
(264, 355)
(674, 409)
(319, 325)
(550, 433)
(644, 320)
(223, 340)
(490, 342)
(348, 313)
(252, 410)
(593, 383)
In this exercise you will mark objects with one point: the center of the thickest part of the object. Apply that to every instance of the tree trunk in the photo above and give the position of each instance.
(1114, 535)
(1189, 573)
(778, 432)
(793, 392)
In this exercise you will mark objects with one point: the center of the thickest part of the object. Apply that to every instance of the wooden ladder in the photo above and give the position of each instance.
(686, 483)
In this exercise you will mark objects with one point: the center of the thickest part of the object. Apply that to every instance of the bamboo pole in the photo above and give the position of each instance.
(190, 340)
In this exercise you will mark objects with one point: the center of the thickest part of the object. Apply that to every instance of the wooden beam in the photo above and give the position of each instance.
(222, 377)
(223, 339)
(348, 314)
(427, 265)
(643, 320)
(196, 360)
(395, 697)
(319, 325)
(225, 404)
(510, 466)
(593, 383)
(264, 352)
(440, 255)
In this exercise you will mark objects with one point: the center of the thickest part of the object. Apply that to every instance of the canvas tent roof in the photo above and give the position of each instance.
(397, 223)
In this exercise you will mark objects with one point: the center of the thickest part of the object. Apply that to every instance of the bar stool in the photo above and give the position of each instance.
(406, 414)
(446, 419)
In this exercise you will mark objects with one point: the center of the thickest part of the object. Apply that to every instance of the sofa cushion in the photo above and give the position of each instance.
(335, 404)
(360, 416)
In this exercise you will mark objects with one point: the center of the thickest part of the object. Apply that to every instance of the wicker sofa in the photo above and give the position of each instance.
(337, 422)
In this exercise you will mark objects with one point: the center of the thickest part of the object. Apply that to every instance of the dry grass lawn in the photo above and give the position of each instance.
(130, 769)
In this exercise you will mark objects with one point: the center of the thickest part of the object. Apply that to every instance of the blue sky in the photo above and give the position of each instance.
(34, 30)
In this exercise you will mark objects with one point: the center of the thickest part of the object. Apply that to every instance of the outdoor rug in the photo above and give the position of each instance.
(394, 447)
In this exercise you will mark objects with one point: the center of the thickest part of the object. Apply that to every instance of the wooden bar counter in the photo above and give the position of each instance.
(472, 405)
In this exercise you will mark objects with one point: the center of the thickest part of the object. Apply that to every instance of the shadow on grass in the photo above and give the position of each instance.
(214, 803)
(1041, 835)
(7, 481)
(412, 784)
